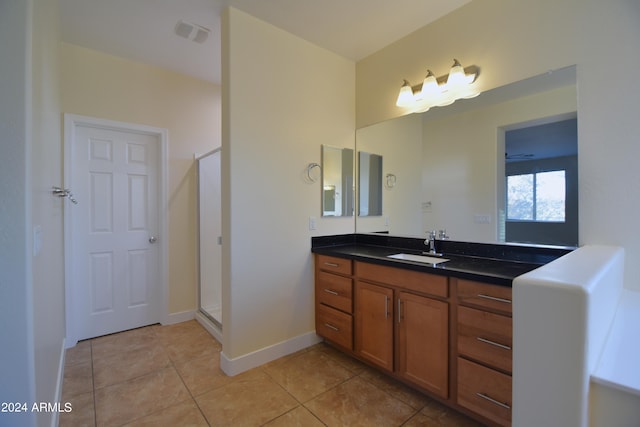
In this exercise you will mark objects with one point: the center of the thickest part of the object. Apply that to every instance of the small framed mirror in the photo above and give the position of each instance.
(337, 181)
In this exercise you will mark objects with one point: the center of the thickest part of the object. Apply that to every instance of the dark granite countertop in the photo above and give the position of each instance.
(490, 263)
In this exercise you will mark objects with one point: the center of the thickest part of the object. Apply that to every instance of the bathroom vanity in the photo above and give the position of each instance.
(440, 323)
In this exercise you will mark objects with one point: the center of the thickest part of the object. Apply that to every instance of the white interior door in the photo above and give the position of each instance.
(115, 257)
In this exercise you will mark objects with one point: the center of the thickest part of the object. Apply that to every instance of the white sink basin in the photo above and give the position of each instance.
(418, 258)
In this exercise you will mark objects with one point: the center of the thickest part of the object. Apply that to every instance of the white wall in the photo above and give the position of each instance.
(282, 99)
(511, 41)
(399, 142)
(608, 129)
(31, 283)
(46, 210)
(16, 298)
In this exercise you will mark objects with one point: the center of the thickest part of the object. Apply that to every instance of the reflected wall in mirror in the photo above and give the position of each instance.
(337, 181)
(369, 184)
(450, 162)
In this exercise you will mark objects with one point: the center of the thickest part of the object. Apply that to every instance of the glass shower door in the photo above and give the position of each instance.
(209, 196)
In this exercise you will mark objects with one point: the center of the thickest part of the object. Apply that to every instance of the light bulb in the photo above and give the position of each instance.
(405, 97)
(456, 75)
(430, 86)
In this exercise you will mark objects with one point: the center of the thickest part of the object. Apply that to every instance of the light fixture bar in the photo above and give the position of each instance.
(441, 91)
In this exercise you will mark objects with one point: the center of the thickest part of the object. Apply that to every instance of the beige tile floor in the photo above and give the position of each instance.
(170, 376)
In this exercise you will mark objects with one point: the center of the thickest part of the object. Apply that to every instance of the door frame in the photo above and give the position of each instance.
(71, 122)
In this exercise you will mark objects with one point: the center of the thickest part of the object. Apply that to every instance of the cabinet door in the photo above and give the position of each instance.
(374, 324)
(423, 342)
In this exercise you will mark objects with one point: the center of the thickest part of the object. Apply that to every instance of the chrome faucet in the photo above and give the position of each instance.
(431, 242)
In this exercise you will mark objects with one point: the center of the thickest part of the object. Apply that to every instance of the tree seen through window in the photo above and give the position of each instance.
(537, 197)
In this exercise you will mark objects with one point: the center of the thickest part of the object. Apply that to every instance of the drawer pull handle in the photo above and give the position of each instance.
(330, 326)
(330, 291)
(486, 341)
(485, 397)
(489, 297)
(332, 264)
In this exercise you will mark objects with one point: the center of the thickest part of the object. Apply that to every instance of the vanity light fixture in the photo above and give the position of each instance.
(440, 91)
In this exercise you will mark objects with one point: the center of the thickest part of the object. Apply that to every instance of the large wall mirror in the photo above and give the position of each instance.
(450, 164)
(337, 181)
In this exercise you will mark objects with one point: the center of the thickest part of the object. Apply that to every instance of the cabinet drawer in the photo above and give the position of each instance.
(334, 264)
(483, 295)
(335, 291)
(335, 326)
(485, 337)
(407, 279)
(484, 391)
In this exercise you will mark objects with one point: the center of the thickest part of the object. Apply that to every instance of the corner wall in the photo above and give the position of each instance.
(283, 98)
(16, 298)
(46, 210)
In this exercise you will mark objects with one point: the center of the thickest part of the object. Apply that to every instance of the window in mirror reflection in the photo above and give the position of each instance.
(536, 197)
(369, 184)
(542, 183)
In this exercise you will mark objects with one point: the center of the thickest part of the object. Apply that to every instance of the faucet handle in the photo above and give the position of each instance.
(442, 234)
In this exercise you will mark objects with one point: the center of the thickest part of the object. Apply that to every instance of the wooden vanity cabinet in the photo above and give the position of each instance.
(423, 342)
(400, 328)
(484, 350)
(446, 336)
(334, 300)
(374, 324)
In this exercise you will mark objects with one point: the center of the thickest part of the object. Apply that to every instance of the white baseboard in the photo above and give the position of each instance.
(179, 317)
(212, 328)
(59, 382)
(251, 360)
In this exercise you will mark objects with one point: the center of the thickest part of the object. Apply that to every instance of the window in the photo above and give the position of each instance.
(538, 197)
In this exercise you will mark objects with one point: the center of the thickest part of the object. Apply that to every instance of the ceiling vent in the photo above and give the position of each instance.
(194, 32)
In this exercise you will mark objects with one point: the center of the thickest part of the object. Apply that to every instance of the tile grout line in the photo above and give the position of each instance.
(302, 404)
(264, 371)
(93, 386)
(193, 398)
(171, 364)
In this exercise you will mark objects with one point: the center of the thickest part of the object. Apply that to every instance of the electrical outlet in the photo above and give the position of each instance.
(482, 218)
(312, 223)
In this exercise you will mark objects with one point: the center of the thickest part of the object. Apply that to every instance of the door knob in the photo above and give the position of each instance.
(153, 239)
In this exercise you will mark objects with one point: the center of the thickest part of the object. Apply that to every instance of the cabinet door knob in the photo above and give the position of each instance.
(153, 239)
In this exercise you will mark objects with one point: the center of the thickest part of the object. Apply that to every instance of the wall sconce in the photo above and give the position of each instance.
(440, 91)
(390, 181)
